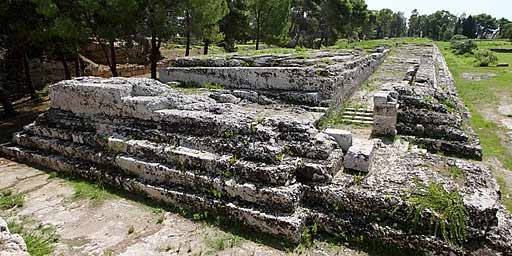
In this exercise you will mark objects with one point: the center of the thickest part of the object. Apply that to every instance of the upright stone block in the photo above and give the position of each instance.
(385, 113)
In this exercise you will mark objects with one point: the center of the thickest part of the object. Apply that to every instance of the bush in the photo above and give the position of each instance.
(463, 46)
(485, 57)
(458, 38)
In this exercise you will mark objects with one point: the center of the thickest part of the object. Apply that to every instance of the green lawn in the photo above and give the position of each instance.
(485, 95)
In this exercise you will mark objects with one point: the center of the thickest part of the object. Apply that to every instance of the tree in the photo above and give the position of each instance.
(414, 29)
(22, 30)
(384, 20)
(486, 24)
(469, 27)
(110, 21)
(270, 19)
(235, 25)
(398, 25)
(157, 21)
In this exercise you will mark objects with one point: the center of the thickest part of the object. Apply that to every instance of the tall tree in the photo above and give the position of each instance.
(469, 27)
(110, 21)
(158, 22)
(270, 19)
(235, 25)
(413, 30)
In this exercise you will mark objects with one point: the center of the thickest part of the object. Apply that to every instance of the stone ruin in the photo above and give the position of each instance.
(266, 166)
(317, 79)
(430, 113)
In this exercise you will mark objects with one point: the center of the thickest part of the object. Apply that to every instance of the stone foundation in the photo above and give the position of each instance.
(323, 76)
(276, 174)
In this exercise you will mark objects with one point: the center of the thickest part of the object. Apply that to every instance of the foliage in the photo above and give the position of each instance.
(463, 46)
(448, 217)
(458, 37)
(90, 191)
(10, 199)
(485, 58)
(269, 19)
(40, 242)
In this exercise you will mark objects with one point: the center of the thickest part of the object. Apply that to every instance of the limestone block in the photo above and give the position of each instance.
(359, 155)
(342, 137)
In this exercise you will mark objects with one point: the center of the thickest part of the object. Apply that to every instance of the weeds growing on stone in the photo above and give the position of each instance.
(221, 242)
(86, 190)
(40, 242)
(10, 199)
(449, 216)
(309, 235)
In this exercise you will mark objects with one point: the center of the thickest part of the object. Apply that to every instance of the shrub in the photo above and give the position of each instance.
(449, 216)
(458, 38)
(463, 46)
(485, 57)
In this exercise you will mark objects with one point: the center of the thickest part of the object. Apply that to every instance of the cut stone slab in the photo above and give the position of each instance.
(342, 137)
(359, 155)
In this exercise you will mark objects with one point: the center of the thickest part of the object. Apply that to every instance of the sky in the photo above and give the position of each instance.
(496, 8)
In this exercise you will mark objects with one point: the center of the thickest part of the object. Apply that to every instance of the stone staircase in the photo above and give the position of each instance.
(358, 116)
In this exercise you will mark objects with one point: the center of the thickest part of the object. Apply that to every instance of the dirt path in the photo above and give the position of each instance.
(120, 226)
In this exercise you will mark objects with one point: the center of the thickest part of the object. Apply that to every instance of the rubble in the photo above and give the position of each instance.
(11, 244)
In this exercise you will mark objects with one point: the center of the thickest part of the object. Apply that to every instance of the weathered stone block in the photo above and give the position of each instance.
(359, 156)
(342, 137)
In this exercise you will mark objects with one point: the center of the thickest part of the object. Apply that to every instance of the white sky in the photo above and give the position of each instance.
(496, 8)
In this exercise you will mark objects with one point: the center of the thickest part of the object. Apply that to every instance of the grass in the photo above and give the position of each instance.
(371, 44)
(10, 199)
(478, 95)
(449, 216)
(40, 242)
(220, 242)
(90, 191)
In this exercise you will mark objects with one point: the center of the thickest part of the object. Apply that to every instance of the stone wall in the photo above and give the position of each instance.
(274, 174)
(431, 112)
(324, 76)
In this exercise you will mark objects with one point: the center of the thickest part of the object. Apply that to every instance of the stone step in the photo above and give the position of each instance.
(351, 121)
(357, 113)
(184, 159)
(287, 226)
(360, 118)
(285, 198)
(359, 110)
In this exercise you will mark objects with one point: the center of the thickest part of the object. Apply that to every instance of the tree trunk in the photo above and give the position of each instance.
(154, 56)
(258, 34)
(187, 51)
(206, 45)
(67, 73)
(28, 78)
(113, 60)
(6, 103)
(77, 65)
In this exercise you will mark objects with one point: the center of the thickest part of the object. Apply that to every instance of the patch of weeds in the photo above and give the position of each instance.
(322, 72)
(108, 253)
(10, 199)
(228, 174)
(229, 134)
(506, 199)
(280, 157)
(232, 160)
(358, 179)
(160, 219)
(221, 242)
(449, 216)
(450, 105)
(309, 235)
(40, 242)
(213, 86)
(216, 193)
(131, 230)
(200, 216)
(86, 190)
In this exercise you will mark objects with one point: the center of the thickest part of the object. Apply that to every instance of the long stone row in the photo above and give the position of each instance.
(315, 80)
(277, 174)
(430, 112)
